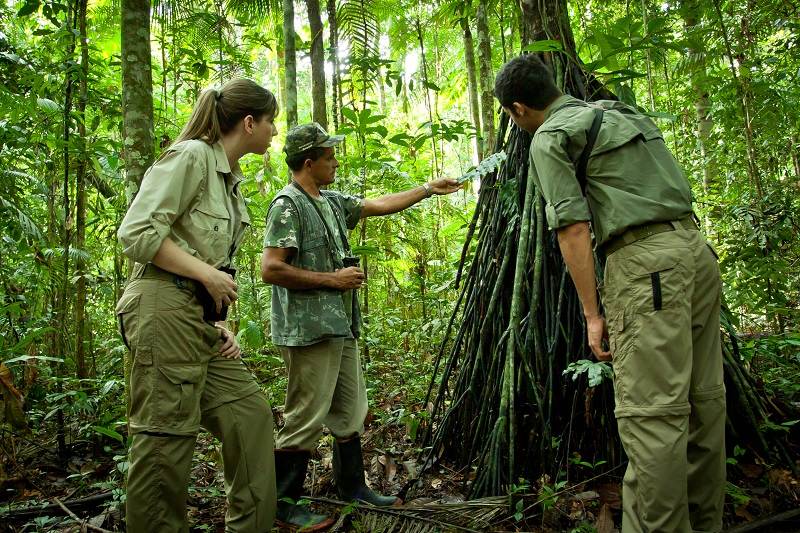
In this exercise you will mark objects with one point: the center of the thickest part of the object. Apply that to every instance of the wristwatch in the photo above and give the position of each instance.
(428, 189)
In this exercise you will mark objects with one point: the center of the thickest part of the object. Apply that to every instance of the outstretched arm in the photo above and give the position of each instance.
(392, 203)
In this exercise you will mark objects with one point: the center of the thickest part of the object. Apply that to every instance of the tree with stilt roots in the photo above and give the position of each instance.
(515, 391)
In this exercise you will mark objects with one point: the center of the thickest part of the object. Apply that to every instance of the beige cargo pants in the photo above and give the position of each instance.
(662, 301)
(326, 387)
(178, 383)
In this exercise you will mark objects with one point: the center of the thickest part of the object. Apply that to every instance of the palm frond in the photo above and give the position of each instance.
(253, 10)
(25, 222)
(469, 517)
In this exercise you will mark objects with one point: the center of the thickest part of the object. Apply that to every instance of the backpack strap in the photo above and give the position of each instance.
(591, 137)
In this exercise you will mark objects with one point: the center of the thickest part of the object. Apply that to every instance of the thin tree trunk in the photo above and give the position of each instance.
(690, 11)
(426, 83)
(220, 40)
(486, 77)
(290, 63)
(648, 60)
(472, 85)
(319, 107)
(66, 235)
(752, 167)
(336, 88)
(137, 92)
(80, 199)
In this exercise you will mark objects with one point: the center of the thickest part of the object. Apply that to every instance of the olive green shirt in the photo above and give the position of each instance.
(632, 178)
(305, 317)
(192, 196)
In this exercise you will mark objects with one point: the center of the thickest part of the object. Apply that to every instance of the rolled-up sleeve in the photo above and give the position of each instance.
(562, 193)
(352, 206)
(167, 190)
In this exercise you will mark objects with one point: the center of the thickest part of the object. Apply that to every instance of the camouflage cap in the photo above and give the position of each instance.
(307, 136)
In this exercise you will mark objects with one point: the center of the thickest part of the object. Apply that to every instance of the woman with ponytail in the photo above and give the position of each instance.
(183, 230)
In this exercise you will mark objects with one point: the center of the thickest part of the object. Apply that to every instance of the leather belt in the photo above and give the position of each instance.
(636, 233)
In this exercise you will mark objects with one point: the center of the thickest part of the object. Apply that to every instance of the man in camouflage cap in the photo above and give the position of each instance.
(661, 291)
(316, 319)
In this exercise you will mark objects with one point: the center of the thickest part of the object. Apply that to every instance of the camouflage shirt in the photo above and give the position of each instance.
(304, 317)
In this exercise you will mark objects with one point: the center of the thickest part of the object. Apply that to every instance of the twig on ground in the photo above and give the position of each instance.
(83, 523)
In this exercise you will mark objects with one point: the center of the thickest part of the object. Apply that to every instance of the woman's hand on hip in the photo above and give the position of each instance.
(230, 347)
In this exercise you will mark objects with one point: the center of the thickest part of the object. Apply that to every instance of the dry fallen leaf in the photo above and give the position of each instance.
(604, 522)
(411, 468)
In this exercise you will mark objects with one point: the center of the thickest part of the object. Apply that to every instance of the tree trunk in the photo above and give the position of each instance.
(80, 199)
(137, 93)
(336, 86)
(690, 11)
(137, 108)
(290, 64)
(320, 110)
(486, 77)
(472, 84)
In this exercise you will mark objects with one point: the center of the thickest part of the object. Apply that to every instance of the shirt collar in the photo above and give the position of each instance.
(223, 166)
(555, 104)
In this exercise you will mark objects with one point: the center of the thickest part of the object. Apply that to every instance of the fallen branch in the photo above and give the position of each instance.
(34, 511)
(759, 525)
(84, 523)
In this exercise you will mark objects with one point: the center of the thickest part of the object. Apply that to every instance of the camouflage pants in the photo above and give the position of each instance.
(662, 300)
(326, 387)
(178, 383)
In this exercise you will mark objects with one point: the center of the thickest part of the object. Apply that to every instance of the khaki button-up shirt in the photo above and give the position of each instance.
(192, 196)
(632, 178)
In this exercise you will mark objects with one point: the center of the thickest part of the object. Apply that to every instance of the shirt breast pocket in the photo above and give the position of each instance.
(213, 225)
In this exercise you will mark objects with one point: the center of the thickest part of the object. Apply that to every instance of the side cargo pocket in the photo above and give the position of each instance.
(181, 389)
(126, 318)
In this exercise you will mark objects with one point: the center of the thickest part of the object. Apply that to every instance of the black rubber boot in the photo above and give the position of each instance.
(348, 469)
(290, 473)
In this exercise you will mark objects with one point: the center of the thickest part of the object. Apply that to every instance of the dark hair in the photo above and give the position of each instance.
(218, 111)
(527, 80)
(295, 161)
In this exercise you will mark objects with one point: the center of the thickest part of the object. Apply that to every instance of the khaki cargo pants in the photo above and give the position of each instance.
(179, 382)
(326, 387)
(662, 301)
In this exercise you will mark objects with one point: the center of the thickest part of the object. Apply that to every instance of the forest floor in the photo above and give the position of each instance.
(89, 483)
(88, 487)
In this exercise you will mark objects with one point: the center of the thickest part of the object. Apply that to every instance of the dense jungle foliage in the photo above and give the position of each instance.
(409, 84)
